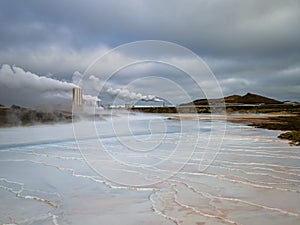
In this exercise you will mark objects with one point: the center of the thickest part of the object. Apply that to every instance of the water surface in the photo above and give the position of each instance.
(45, 179)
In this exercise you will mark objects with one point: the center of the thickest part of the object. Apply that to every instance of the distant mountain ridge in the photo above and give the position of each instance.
(248, 98)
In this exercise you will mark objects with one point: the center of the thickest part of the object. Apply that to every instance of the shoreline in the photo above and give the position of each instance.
(247, 118)
(287, 123)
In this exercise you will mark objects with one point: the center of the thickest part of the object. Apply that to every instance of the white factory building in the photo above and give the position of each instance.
(77, 96)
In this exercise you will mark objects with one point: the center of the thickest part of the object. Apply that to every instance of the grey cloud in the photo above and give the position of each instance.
(247, 44)
(53, 59)
(208, 26)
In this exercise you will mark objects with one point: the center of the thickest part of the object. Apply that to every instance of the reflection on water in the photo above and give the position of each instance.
(255, 178)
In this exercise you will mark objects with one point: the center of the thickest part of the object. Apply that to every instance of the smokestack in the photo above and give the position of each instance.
(77, 96)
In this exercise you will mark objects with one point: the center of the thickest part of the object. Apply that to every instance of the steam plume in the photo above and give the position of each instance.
(30, 90)
(27, 89)
(92, 85)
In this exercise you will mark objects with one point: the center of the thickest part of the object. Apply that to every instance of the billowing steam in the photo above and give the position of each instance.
(93, 84)
(30, 90)
(128, 95)
(27, 89)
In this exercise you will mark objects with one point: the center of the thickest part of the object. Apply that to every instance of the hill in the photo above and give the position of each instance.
(248, 98)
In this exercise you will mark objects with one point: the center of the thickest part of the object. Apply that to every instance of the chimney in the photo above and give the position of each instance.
(77, 96)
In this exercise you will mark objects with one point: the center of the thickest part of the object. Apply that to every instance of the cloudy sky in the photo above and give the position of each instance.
(250, 46)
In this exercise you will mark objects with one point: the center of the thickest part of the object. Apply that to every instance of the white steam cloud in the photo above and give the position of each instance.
(27, 89)
(128, 95)
(93, 85)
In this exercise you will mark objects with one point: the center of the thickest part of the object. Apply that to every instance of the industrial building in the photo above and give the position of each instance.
(77, 96)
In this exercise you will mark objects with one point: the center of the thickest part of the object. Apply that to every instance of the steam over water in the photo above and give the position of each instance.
(44, 179)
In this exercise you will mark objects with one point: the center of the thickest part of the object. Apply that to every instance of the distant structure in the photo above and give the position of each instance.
(128, 106)
(77, 96)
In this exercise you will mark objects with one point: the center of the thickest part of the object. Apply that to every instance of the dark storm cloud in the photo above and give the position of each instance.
(210, 26)
(250, 45)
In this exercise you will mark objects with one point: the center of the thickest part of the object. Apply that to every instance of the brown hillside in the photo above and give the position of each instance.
(257, 99)
(237, 99)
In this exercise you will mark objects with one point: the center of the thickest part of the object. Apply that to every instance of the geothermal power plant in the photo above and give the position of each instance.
(77, 96)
